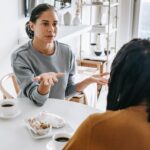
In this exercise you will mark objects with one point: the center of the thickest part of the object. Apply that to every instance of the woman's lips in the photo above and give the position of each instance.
(50, 36)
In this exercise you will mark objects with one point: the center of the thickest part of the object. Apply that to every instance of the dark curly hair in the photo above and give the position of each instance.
(129, 82)
(35, 14)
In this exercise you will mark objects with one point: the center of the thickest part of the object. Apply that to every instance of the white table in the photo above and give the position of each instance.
(14, 135)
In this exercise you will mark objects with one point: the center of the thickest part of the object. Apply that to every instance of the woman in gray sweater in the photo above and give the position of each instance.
(44, 67)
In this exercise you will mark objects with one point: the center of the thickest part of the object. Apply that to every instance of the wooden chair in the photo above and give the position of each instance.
(80, 98)
(100, 65)
(9, 80)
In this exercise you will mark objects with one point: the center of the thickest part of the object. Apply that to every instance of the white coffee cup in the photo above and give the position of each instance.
(8, 107)
(60, 139)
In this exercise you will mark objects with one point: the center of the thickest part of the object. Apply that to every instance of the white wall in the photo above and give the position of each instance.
(9, 16)
(8, 30)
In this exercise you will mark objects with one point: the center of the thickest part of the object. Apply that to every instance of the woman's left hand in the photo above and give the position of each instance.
(99, 78)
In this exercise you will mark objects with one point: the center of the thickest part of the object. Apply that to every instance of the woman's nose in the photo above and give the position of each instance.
(50, 28)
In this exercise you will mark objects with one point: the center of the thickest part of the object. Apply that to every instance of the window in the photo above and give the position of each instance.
(144, 26)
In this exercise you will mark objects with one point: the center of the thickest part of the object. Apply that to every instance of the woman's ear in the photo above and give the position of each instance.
(31, 24)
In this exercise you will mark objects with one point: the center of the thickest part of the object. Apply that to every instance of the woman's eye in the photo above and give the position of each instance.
(55, 24)
(45, 24)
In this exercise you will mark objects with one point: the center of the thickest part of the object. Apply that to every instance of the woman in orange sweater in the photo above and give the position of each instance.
(126, 124)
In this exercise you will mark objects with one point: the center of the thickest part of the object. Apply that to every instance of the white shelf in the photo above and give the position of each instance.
(64, 33)
(105, 4)
(103, 29)
(114, 5)
(100, 28)
(68, 32)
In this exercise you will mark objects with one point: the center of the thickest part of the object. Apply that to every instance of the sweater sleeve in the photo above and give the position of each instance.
(25, 77)
(71, 88)
(81, 138)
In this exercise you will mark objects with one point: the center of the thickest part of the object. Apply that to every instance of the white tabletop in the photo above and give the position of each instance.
(14, 135)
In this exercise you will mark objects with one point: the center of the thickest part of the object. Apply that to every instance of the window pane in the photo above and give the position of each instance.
(144, 27)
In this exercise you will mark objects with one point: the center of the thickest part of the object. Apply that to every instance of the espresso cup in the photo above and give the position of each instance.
(8, 108)
(60, 139)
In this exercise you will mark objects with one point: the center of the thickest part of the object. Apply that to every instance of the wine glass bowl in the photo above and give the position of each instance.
(98, 53)
(107, 52)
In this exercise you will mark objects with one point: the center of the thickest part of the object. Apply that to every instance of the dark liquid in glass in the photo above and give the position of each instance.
(62, 139)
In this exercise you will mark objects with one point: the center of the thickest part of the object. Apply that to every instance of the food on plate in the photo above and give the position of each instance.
(43, 123)
(39, 126)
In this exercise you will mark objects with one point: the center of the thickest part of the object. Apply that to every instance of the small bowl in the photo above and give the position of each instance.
(107, 52)
(98, 53)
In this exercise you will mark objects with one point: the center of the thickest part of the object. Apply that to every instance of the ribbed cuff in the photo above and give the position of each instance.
(39, 98)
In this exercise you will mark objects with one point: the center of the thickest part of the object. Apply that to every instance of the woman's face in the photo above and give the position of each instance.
(45, 27)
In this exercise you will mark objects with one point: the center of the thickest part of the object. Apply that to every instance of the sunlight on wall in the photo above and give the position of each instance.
(8, 31)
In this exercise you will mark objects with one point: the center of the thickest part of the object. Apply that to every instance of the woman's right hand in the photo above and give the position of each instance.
(47, 80)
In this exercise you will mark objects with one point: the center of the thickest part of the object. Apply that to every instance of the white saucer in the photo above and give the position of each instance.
(10, 116)
(50, 146)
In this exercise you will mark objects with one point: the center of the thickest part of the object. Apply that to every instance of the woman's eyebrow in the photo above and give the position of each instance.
(48, 21)
(44, 21)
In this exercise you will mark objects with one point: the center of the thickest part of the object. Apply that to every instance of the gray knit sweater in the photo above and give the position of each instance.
(28, 63)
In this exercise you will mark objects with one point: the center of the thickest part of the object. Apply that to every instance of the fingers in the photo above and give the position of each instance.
(60, 74)
(55, 79)
(104, 74)
(46, 83)
(37, 78)
(102, 81)
(48, 79)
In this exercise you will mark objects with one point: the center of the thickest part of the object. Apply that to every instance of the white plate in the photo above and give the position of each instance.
(55, 120)
(10, 116)
(66, 129)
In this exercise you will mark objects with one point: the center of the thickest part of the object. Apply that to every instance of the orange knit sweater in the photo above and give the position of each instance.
(126, 129)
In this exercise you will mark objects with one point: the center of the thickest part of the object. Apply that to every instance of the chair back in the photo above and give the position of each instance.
(9, 86)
